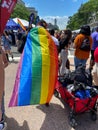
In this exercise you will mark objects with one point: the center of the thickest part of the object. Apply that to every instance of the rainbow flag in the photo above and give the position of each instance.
(37, 71)
(21, 25)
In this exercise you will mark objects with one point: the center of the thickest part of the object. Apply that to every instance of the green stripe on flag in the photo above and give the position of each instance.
(36, 67)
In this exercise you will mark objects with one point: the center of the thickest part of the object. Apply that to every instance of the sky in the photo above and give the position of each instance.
(60, 9)
(55, 7)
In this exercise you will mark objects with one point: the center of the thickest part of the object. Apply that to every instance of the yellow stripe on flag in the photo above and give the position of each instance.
(45, 65)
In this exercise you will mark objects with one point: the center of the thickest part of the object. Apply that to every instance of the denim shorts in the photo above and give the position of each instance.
(77, 62)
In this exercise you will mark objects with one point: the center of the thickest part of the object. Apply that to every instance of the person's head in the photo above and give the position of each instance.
(85, 29)
(68, 33)
(42, 23)
(65, 39)
(52, 32)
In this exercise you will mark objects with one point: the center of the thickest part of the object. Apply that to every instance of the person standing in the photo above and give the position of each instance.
(6, 44)
(64, 45)
(3, 64)
(94, 36)
(81, 56)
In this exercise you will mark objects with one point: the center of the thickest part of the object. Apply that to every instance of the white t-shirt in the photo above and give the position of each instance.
(55, 40)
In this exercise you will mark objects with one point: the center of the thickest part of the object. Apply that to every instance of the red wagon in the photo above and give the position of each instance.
(76, 104)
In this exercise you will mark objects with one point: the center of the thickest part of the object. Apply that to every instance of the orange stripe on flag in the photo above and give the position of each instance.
(20, 23)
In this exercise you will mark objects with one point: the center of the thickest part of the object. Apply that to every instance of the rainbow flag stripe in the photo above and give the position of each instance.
(21, 25)
(37, 71)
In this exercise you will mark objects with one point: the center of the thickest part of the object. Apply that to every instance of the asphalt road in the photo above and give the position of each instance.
(16, 54)
(14, 51)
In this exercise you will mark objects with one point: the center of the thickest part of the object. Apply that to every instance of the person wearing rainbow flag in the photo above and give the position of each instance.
(38, 69)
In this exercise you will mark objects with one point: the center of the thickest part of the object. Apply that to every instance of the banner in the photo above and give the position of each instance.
(37, 19)
(6, 8)
(31, 19)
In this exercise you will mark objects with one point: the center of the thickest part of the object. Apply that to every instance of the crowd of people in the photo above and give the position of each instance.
(63, 40)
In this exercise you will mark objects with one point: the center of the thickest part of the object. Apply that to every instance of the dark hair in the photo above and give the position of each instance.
(85, 29)
(42, 23)
(52, 32)
(68, 32)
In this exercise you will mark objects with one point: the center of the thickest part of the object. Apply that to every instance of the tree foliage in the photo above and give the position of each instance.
(20, 11)
(83, 15)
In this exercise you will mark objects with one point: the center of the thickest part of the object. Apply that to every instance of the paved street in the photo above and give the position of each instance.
(40, 117)
(14, 51)
(16, 54)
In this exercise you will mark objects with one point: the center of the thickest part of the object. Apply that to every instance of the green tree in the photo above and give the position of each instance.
(20, 11)
(83, 15)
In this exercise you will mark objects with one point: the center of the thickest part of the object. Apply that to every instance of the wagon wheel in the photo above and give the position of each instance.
(93, 113)
(72, 121)
(94, 116)
(56, 93)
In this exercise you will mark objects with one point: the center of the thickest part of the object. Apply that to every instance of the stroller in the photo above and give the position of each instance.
(76, 89)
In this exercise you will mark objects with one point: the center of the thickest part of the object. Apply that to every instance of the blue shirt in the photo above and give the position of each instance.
(94, 36)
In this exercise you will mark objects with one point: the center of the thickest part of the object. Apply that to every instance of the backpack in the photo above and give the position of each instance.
(85, 45)
(83, 75)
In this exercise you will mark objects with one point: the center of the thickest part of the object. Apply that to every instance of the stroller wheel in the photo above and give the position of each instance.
(56, 93)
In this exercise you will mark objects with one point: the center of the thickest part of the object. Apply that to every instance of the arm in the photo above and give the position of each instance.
(4, 58)
(5, 61)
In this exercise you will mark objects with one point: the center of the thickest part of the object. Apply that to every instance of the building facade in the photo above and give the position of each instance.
(20, 2)
(31, 9)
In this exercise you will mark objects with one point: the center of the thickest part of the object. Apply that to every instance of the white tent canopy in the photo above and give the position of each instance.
(24, 22)
(76, 31)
